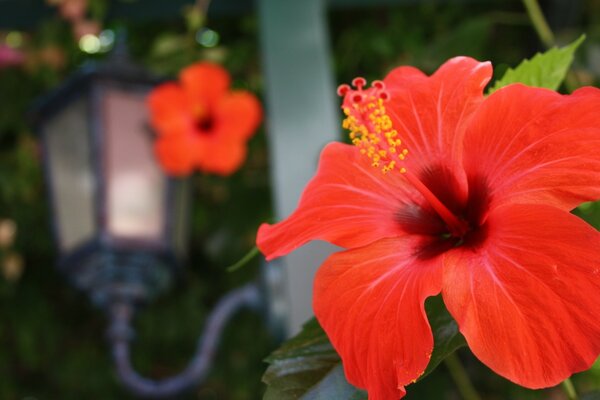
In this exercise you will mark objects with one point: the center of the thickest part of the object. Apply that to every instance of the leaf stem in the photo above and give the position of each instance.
(461, 378)
(244, 260)
(569, 389)
(539, 22)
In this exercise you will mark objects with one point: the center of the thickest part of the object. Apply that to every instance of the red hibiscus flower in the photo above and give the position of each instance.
(201, 123)
(450, 192)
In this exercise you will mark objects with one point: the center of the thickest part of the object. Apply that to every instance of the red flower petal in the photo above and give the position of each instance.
(176, 155)
(370, 301)
(169, 109)
(535, 146)
(238, 114)
(527, 299)
(429, 113)
(347, 203)
(222, 156)
(204, 83)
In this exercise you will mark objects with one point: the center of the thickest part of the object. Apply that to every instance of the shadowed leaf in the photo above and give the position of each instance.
(307, 367)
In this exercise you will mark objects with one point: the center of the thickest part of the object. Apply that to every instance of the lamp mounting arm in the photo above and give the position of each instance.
(120, 334)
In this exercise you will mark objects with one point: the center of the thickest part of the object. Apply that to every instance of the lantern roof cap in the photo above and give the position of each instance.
(118, 67)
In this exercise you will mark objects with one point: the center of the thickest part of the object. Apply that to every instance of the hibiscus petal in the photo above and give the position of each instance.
(169, 109)
(204, 83)
(176, 154)
(526, 297)
(370, 301)
(347, 203)
(222, 156)
(429, 113)
(531, 145)
(237, 114)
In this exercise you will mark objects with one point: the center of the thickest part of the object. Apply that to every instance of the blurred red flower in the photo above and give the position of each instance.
(201, 124)
(477, 211)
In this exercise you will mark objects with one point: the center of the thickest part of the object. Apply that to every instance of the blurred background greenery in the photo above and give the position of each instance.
(52, 343)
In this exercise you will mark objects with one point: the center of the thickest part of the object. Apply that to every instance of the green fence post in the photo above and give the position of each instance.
(302, 118)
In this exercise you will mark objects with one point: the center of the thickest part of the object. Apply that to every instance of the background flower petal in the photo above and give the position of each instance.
(429, 113)
(221, 156)
(176, 155)
(531, 145)
(237, 114)
(370, 301)
(347, 203)
(169, 109)
(526, 299)
(205, 83)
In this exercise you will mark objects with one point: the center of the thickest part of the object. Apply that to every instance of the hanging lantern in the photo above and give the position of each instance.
(119, 222)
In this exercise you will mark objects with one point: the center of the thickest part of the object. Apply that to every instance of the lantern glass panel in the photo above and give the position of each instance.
(135, 185)
(68, 144)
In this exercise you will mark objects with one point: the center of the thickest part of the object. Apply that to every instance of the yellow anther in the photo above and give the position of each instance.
(371, 130)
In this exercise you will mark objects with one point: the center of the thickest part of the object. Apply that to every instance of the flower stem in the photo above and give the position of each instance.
(569, 389)
(244, 260)
(461, 378)
(539, 22)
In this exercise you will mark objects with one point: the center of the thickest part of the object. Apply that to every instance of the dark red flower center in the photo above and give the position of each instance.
(204, 125)
(466, 224)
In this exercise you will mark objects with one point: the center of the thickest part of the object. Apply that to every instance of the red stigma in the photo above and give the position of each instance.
(378, 85)
(357, 98)
(343, 89)
(384, 95)
(359, 82)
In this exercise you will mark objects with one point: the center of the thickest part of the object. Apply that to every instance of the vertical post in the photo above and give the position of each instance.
(302, 119)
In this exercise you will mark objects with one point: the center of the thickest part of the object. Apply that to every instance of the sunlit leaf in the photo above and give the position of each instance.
(546, 70)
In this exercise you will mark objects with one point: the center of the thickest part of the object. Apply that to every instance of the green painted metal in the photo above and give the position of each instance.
(302, 118)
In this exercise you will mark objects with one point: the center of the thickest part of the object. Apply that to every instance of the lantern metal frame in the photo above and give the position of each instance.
(103, 265)
(121, 275)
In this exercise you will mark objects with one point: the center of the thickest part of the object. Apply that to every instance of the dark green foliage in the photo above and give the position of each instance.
(307, 367)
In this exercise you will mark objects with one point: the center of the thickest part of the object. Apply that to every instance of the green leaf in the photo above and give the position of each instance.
(590, 212)
(447, 339)
(546, 70)
(307, 367)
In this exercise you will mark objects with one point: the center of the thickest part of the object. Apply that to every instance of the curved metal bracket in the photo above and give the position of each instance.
(120, 334)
